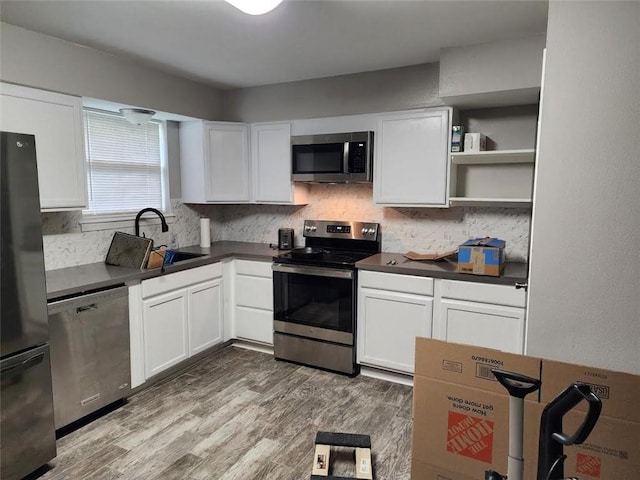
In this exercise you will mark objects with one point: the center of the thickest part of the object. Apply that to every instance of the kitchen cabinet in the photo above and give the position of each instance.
(252, 294)
(485, 315)
(214, 161)
(501, 178)
(392, 311)
(173, 317)
(166, 342)
(411, 166)
(56, 121)
(204, 306)
(271, 166)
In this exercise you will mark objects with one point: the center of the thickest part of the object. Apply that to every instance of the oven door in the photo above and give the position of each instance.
(314, 302)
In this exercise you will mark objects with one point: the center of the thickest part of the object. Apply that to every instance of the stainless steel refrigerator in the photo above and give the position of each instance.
(27, 433)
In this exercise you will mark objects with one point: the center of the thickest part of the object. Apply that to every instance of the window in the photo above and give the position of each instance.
(126, 164)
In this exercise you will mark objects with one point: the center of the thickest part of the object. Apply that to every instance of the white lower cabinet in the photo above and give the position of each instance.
(166, 330)
(253, 301)
(173, 317)
(392, 311)
(205, 303)
(480, 314)
(481, 324)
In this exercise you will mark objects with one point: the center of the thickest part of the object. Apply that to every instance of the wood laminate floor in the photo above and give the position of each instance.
(239, 414)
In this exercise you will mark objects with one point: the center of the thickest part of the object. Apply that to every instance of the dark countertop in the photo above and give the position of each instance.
(513, 272)
(83, 278)
(74, 280)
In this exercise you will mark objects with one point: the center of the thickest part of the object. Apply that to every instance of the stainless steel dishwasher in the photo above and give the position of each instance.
(90, 363)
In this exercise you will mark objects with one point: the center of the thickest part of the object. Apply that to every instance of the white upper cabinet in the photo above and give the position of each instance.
(56, 122)
(411, 159)
(271, 165)
(214, 160)
(219, 164)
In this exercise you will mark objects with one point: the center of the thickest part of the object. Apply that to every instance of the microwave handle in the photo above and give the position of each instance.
(345, 159)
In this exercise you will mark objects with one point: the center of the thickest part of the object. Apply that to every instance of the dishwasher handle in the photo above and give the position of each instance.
(92, 306)
(89, 301)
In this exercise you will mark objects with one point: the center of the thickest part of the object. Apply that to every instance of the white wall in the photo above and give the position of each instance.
(584, 297)
(36, 60)
(506, 72)
(370, 92)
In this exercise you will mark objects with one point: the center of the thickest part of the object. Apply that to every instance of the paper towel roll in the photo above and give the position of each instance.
(205, 233)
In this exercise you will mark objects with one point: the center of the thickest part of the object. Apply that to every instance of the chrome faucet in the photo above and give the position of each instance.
(165, 227)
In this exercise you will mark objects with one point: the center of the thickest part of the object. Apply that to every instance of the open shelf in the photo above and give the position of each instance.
(526, 155)
(497, 178)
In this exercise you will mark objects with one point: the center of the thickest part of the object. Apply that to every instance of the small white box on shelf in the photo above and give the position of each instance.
(475, 142)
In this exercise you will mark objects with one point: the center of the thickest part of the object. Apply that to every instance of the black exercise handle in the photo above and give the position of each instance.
(517, 385)
(575, 394)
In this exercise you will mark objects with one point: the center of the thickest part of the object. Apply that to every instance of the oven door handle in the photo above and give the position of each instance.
(315, 271)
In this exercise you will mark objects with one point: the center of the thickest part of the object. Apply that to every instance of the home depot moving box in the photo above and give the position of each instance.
(461, 413)
(460, 427)
(612, 450)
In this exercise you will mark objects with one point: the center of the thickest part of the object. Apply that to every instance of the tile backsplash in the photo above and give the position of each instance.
(65, 245)
(403, 229)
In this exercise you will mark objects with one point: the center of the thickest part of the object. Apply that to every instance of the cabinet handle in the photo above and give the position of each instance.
(521, 285)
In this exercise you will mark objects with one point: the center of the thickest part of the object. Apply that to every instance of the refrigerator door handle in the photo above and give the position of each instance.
(24, 365)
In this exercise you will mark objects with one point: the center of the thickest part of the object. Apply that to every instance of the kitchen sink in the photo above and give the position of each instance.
(182, 256)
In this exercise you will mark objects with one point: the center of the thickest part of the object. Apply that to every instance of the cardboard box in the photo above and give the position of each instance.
(612, 450)
(475, 142)
(619, 392)
(482, 256)
(424, 471)
(461, 413)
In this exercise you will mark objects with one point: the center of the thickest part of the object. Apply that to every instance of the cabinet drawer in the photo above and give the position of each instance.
(174, 281)
(480, 292)
(255, 325)
(255, 268)
(396, 283)
(255, 292)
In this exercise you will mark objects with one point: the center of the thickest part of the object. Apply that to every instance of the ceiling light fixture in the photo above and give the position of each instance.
(137, 116)
(255, 7)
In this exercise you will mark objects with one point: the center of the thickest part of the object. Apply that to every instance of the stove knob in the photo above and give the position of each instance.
(313, 228)
(371, 231)
(364, 230)
(307, 228)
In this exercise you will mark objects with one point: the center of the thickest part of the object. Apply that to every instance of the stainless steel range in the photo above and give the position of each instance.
(314, 291)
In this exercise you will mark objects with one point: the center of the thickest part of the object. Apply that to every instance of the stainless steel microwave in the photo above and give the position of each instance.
(333, 158)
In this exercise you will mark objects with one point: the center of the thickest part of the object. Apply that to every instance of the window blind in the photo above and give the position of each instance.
(124, 164)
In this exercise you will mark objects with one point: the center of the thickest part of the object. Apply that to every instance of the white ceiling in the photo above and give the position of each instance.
(212, 42)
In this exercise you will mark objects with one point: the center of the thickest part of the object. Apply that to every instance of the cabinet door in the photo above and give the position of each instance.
(411, 166)
(165, 331)
(271, 162)
(205, 315)
(56, 121)
(227, 153)
(388, 324)
(481, 324)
